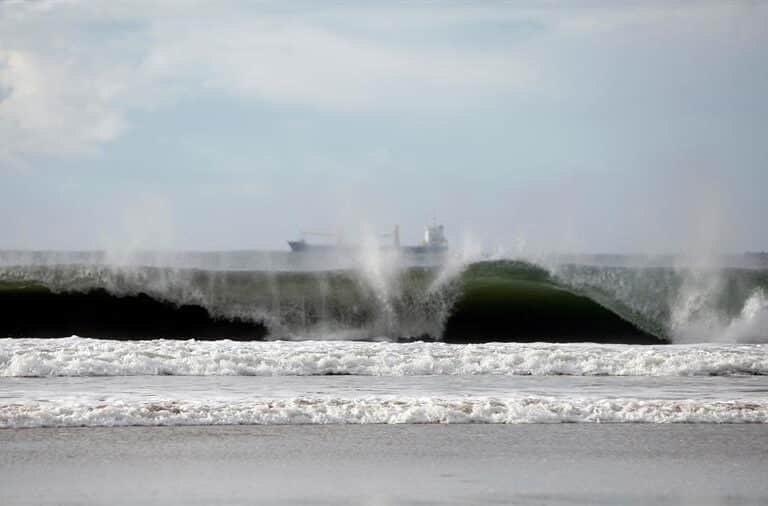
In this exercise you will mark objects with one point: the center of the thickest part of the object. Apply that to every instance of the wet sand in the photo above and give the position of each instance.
(383, 464)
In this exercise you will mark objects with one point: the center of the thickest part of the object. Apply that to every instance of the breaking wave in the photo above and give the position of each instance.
(458, 300)
(91, 357)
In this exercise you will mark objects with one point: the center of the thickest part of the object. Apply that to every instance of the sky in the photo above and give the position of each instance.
(594, 126)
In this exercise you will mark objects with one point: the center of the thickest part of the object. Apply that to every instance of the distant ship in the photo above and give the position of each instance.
(434, 242)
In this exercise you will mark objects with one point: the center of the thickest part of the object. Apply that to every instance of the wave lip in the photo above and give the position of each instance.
(91, 357)
(373, 410)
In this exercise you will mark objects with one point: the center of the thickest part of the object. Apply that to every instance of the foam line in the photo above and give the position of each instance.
(372, 410)
(76, 356)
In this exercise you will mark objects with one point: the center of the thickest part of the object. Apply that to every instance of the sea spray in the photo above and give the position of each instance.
(711, 305)
(685, 303)
(751, 325)
(379, 270)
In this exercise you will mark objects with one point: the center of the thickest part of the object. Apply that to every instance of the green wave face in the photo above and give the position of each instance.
(485, 301)
(521, 302)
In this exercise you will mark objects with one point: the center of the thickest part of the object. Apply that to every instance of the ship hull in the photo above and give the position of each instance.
(305, 247)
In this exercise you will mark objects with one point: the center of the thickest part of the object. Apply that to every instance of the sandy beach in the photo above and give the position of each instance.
(378, 464)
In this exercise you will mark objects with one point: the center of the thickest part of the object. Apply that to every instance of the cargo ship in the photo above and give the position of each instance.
(434, 242)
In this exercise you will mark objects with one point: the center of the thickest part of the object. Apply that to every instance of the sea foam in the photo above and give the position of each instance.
(373, 410)
(90, 357)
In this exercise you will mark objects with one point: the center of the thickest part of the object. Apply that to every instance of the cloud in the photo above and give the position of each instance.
(51, 107)
(72, 94)
(71, 74)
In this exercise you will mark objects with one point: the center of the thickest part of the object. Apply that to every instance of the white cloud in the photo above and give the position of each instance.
(71, 71)
(51, 107)
(67, 91)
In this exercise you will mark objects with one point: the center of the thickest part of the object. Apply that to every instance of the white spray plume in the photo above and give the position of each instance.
(471, 250)
(695, 313)
(380, 268)
(147, 224)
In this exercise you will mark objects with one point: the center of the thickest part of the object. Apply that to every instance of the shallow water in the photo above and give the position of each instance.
(244, 388)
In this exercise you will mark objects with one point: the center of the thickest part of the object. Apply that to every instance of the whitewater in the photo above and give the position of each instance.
(76, 382)
(75, 356)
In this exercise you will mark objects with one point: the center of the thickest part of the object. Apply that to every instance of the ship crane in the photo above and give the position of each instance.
(395, 235)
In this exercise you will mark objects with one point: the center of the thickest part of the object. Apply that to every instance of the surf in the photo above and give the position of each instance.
(378, 299)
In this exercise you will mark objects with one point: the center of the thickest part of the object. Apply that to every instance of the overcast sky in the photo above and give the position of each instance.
(607, 127)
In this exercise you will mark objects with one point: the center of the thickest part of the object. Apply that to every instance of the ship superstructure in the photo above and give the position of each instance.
(434, 242)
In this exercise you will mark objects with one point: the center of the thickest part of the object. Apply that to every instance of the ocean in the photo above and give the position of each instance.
(256, 377)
